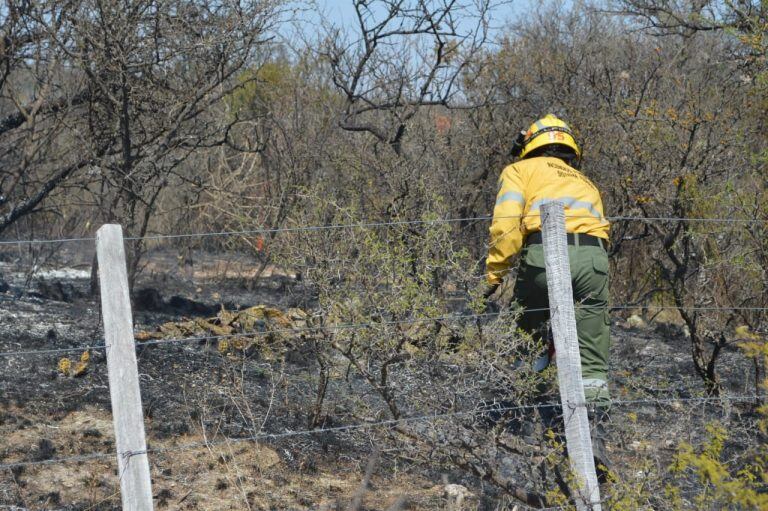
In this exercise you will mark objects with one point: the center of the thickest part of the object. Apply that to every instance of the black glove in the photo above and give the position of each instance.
(490, 289)
(491, 307)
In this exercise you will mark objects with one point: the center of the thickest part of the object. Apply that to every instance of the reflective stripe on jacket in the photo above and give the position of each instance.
(526, 185)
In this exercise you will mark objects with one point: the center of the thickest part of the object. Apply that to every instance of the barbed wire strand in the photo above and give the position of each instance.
(368, 325)
(54, 351)
(368, 225)
(344, 326)
(274, 230)
(371, 325)
(420, 418)
(489, 408)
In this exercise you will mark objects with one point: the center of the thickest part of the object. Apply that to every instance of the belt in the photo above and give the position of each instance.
(574, 238)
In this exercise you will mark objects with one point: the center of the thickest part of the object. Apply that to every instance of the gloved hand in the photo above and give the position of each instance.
(490, 289)
(490, 305)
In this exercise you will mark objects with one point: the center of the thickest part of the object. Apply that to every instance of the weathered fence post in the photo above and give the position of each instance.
(563, 319)
(127, 416)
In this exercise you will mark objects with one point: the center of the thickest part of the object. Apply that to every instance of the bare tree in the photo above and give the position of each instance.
(687, 17)
(402, 55)
(37, 92)
(125, 92)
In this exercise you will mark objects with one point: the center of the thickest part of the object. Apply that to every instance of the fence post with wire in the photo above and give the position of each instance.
(563, 320)
(124, 382)
(127, 415)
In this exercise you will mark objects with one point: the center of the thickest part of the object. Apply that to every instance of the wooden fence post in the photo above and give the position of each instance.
(563, 320)
(127, 415)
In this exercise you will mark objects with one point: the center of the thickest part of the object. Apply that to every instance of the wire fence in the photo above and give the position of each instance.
(480, 411)
(395, 223)
(364, 325)
(264, 437)
(371, 225)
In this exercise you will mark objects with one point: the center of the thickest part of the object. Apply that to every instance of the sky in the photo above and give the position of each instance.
(341, 13)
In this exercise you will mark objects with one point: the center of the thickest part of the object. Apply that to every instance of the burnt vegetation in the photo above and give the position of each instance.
(327, 189)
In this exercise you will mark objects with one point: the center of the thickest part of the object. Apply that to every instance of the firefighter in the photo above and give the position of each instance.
(548, 170)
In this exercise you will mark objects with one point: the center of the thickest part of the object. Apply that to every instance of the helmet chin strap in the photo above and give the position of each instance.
(560, 151)
(518, 144)
(576, 163)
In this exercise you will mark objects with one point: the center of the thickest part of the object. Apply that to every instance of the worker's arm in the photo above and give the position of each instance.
(506, 235)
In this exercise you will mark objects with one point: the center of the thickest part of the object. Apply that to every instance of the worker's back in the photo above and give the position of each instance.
(523, 187)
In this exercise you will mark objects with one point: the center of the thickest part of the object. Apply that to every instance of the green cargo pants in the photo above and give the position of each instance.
(589, 278)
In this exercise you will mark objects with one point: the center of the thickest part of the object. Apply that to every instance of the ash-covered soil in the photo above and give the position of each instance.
(198, 398)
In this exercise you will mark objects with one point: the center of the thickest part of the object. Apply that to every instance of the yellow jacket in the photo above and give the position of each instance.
(526, 185)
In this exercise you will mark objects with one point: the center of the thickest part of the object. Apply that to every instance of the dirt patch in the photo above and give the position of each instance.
(186, 473)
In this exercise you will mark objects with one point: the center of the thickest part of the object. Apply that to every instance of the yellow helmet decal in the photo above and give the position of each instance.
(546, 131)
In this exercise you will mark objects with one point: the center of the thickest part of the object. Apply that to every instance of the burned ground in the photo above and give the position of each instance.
(205, 402)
